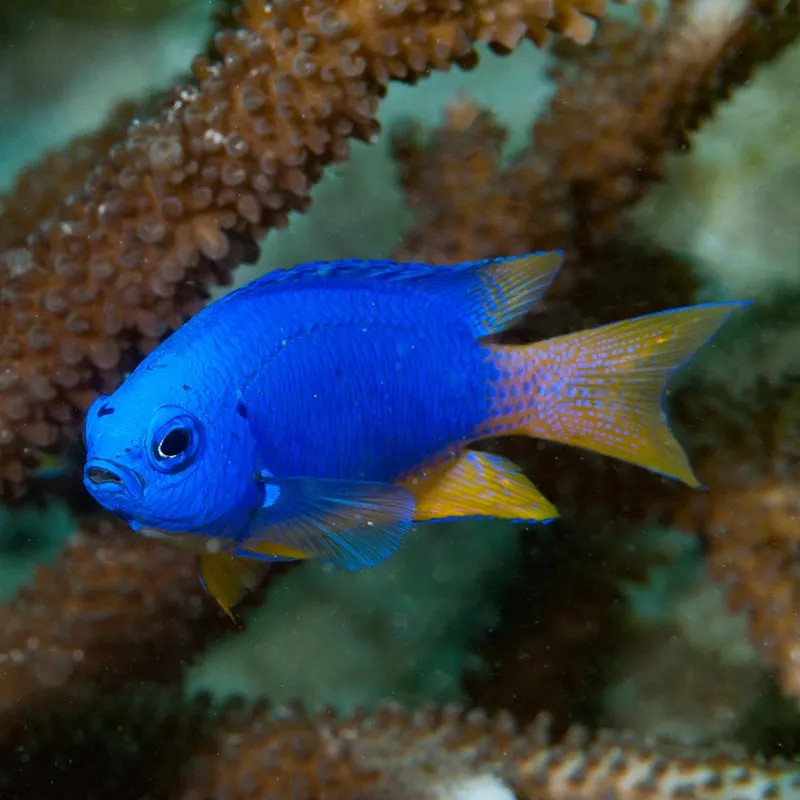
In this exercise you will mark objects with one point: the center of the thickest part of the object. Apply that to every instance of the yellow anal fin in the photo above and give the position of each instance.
(228, 578)
(476, 484)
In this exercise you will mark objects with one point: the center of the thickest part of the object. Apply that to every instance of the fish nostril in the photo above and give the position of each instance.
(98, 475)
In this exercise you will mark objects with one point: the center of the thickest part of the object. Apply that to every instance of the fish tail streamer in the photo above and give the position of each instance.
(603, 389)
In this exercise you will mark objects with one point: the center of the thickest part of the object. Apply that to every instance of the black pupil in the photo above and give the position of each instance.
(174, 443)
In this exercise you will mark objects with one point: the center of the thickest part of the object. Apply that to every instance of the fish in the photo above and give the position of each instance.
(323, 411)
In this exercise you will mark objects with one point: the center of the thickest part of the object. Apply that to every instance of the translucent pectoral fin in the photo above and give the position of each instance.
(477, 484)
(227, 578)
(350, 524)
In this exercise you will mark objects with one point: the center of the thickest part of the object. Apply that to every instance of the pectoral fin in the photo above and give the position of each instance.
(350, 524)
(476, 484)
(227, 578)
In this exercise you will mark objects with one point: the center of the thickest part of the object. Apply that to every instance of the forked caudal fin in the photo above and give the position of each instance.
(602, 389)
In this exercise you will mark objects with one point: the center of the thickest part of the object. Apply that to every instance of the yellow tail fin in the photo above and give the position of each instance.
(602, 389)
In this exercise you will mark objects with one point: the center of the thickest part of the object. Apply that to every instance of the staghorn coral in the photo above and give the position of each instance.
(162, 625)
(622, 104)
(41, 187)
(151, 742)
(114, 608)
(434, 754)
(185, 196)
(754, 539)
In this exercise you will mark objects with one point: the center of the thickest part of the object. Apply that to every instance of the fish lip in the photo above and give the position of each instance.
(120, 481)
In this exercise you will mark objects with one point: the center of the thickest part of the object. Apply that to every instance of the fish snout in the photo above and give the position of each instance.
(105, 478)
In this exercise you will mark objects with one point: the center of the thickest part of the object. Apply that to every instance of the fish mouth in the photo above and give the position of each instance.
(106, 479)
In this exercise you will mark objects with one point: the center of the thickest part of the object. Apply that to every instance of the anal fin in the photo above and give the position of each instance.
(476, 484)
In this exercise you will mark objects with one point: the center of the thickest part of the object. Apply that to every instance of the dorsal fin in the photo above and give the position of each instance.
(508, 288)
(490, 294)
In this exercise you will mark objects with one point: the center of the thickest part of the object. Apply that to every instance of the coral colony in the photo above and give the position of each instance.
(111, 244)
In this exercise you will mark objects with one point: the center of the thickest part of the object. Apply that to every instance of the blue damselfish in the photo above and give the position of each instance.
(319, 412)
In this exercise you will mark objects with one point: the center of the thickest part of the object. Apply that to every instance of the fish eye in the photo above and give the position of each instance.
(174, 444)
(174, 439)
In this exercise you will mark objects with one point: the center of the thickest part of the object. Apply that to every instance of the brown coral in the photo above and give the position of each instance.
(179, 201)
(41, 187)
(150, 742)
(436, 753)
(754, 551)
(115, 608)
(184, 197)
(622, 104)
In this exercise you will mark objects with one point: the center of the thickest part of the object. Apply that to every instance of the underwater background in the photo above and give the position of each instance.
(647, 643)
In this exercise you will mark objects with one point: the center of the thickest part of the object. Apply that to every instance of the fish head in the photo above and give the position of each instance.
(181, 466)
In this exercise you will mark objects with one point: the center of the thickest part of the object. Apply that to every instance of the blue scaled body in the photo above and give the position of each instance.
(338, 377)
(357, 371)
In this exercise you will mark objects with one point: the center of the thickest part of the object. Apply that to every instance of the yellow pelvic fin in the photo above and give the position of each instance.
(476, 484)
(228, 578)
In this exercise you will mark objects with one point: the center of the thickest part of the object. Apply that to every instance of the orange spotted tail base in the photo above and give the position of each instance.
(602, 389)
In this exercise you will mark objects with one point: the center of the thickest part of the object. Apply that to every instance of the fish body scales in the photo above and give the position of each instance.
(346, 381)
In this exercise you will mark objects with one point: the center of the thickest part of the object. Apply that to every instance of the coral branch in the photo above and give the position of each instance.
(186, 195)
(151, 742)
(115, 608)
(41, 187)
(754, 534)
(623, 103)
(437, 753)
